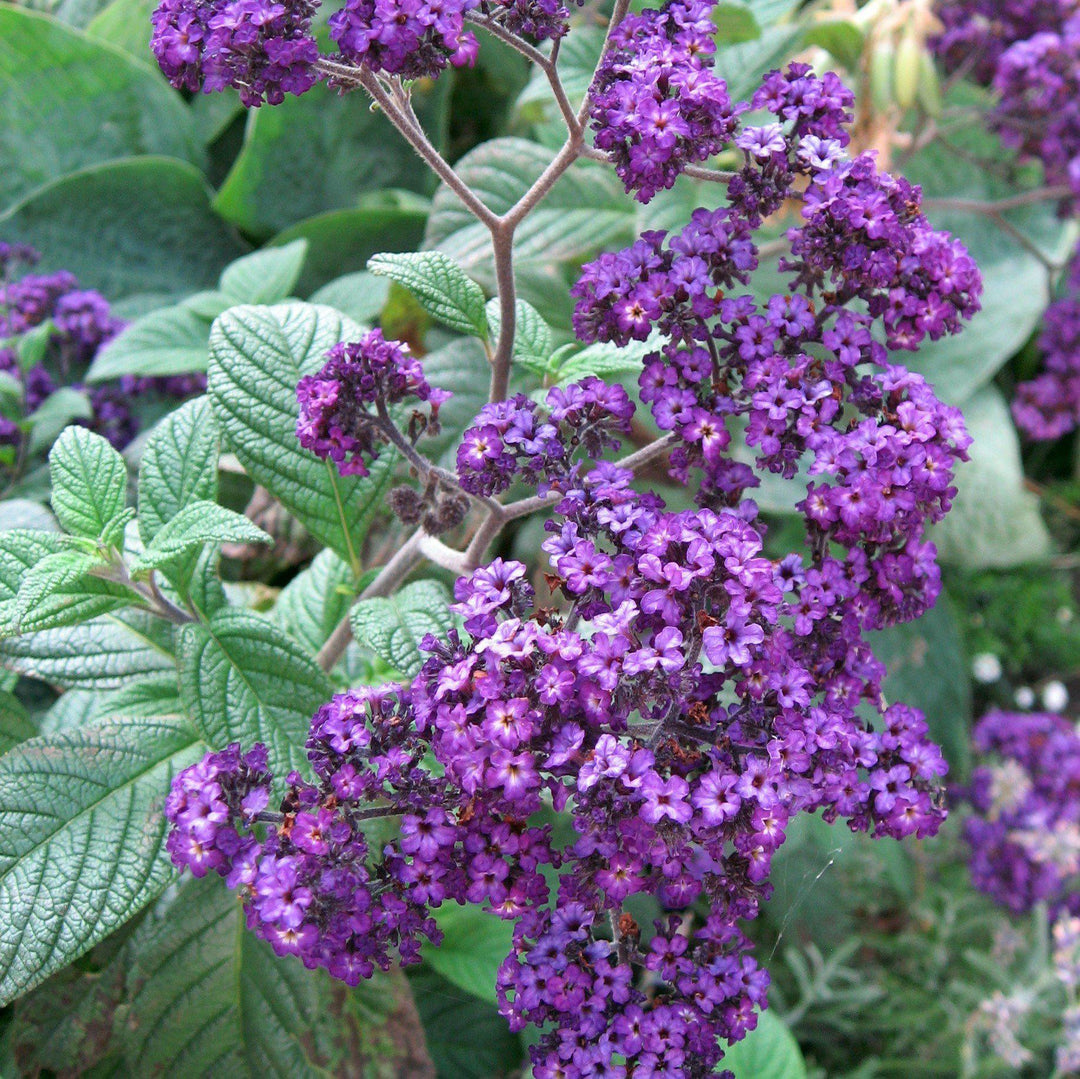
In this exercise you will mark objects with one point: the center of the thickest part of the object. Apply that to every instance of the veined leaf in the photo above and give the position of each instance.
(441, 286)
(15, 725)
(532, 335)
(89, 482)
(198, 523)
(316, 600)
(394, 627)
(257, 356)
(81, 840)
(179, 465)
(242, 679)
(265, 276)
(170, 341)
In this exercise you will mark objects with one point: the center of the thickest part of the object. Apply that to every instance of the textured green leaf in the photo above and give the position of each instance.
(15, 725)
(75, 708)
(207, 997)
(242, 679)
(178, 466)
(475, 943)
(441, 286)
(257, 356)
(20, 550)
(200, 522)
(155, 695)
(170, 341)
(136, 226)
(69, 101)
(606, 361)
(23, 513)
(585, 211)
(532, 335)
(767, 1052)
(102, 653)
(994, 520)
(89, 482)
(314, 153)
(54, 573)
(360, 295)
(81, 840)
(265, 276)
(316, 600)
(394, 627)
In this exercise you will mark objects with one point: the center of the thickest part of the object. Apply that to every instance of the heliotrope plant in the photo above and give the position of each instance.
(678, 694)
(631, 730)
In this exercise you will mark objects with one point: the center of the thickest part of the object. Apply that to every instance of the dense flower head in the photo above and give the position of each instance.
(695, 696)
(263, 48)
(656, 105)
(544, 20)
(1048, 406)
(513, 438)
(337, 420)
(1025, 830)
(411, 38)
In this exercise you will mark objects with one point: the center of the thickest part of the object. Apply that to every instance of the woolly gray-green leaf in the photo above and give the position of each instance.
(170, 341)
(393, 627)
(441, 286)
(257, 356)
(89, 482)
(242, 679)
(81, 840)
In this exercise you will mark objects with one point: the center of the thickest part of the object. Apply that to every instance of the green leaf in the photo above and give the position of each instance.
(69, 101)
(170, 341)
(735, 23)
(178, 466)
(54, 573)
(467, 1037)
(584, 212)
(532, 335)
(606, 361)
(994, 520)
(475, 943)
(742, 66)
(20, 550)
(26, 514)
(153, 228)
(89, 482)
(257, 356)
(394, 627)
(242, 679)
(76, 708)
(840, 37)
(207, 997)
(81, 840)
(315, 153)
(360, 295)
(15, 725)
(197, 523)
(125, 24)
(265, 276)
(440, 285)
(100, 654)
(770, 1051)
(157, 695)
(926, 665)
(63, 406)
(315, 601)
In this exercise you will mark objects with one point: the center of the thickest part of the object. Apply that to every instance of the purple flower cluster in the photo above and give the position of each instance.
(1028, 51)
(797, 372)
(81, 322)
(412, 38)
(510, 439)
(1025, 831)
(544, 20)
(336, 420)
(656, 105)
(694, 698)
(263, 48)
(1048, 406)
